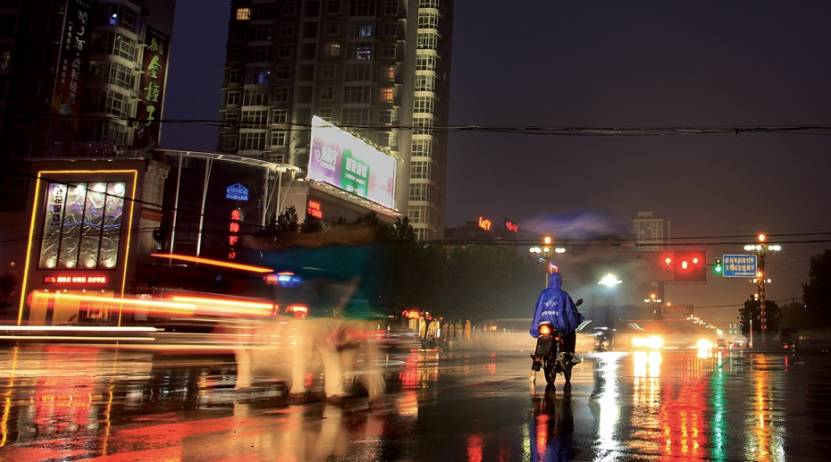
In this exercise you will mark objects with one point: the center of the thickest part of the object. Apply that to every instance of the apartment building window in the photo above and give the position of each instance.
(280, 95)
(427, 41)
(328, 71)
(366, 31)
(425, 83)
(332, 50)
(228, 142)
(253, 98)
(310, 30)
(278, 138)
(243, 14)
(358, 72)
(230, 120)
(286, 30)
(288, 8)
(327, 94)
(419, 192)
(282, 72)
(121, 75)
(362, 8)
(428, 4)
(235, 76)
(279, 116)
(259, 54)
(363, 52)
(333, 7)
(422, 126)
(116, 104)
(389, 29)
(418, 214)
(389, 51)
(254, 118)
(309, 51)
(251, 141)
(5, 59)
(423, 104)
(358, 94)
(262, 77)
(312, 9)
(262, 33)
(421, 148)
(355, 116)
(391, 7)
(233, 98)
(332, 28)
(387, 116)
(420, 170)
(389, 73)
(284, 51)
(124, 47)
(387, 95)
(426, 63)
(428, 20)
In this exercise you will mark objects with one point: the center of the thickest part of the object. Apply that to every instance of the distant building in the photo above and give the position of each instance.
(374, 67)
(651, 233)
(79, 78)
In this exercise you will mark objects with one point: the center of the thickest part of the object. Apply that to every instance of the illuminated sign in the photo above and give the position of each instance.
(151, 87)
(351, 164)
(511, 226)
(739, 266)
(485, 224)
(76, 280)
(314, 209)
(236, 192)
(233, 233)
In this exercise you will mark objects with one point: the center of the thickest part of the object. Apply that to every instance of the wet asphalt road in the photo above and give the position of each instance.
(69, 403)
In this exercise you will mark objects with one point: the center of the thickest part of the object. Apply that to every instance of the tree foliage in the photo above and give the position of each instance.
(751, 309)
(816, 293)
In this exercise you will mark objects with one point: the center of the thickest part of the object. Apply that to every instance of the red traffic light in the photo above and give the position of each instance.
(686, 266)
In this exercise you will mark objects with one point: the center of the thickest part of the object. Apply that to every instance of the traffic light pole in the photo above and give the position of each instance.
(761, 286)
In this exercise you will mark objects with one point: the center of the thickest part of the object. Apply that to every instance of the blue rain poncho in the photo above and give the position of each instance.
(554, 305)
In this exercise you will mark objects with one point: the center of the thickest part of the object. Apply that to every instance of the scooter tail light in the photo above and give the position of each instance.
(545, 329)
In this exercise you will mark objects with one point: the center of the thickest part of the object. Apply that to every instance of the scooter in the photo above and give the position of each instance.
(549, 356)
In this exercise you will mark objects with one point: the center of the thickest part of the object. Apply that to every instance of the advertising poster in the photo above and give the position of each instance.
(351, 164)
(73, 58)
(151, 89)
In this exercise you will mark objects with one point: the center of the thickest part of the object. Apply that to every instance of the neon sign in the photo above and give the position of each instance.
(76, 280)
(511, 226)
(233, 233)
(314, 209)
(485, 224)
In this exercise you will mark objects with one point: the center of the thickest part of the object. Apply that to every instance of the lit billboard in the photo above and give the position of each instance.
(351, 164)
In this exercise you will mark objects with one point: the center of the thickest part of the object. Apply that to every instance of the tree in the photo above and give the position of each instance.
(311, 225)
(287, 222)
(751, 310)
(817, 291)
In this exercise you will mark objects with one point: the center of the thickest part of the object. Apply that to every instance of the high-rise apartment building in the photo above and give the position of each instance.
(651, 232)
(80, 78)
(379, 68)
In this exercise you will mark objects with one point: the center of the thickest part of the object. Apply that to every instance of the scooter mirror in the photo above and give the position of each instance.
(578, 302)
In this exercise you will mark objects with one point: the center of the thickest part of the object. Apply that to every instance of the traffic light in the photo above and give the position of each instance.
(688, 266)
(718, 267)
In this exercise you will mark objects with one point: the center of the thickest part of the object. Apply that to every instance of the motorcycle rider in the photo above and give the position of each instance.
(555, 306)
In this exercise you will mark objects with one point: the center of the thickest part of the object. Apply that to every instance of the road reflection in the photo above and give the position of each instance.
(551, 431)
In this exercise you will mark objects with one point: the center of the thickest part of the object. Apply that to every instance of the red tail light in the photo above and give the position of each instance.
(545, 329)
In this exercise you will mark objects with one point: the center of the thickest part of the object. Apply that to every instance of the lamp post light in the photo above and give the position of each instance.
(610, 280)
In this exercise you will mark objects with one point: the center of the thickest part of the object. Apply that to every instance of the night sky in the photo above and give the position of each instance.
(603, 64)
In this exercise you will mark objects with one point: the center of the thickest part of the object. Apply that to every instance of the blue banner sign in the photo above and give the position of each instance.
(236, 192)
(740, 266)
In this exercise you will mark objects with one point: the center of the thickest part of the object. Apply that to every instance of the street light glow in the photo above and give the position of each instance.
(609, 280)
(559, 250)
(547, 240)
(762, 237)
(750, 247)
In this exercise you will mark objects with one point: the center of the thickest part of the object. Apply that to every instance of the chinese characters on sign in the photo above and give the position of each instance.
(75, 280)
(233, 233)
(314, 209)
(72, 57)
(739, 266)
(151, 91)
(511, 227)
(485, 224)
(236, 192)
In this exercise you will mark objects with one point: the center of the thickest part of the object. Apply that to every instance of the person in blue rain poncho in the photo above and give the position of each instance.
(555, 306)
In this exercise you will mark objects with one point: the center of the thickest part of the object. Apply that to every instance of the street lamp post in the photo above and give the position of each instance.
(761, 250)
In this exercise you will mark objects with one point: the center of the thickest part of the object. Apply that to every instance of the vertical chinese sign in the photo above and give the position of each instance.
(151, 91)
(233, 233)
(73, 58)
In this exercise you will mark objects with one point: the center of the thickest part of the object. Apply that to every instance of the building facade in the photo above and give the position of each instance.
(80, 78)
(651, 232)
(379, 68)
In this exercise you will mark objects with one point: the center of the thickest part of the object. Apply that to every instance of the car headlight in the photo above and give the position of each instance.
(653, 342)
